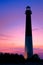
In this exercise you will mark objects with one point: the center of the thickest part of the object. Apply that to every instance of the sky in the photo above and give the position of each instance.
(12, 26)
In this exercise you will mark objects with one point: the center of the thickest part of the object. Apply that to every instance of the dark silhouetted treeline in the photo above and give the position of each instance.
(15, 58)
(11, 58)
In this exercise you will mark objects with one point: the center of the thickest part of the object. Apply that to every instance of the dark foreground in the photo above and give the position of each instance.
(29, 63)
(15, 59)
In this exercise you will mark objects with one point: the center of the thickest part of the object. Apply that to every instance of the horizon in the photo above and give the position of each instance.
(12, 26)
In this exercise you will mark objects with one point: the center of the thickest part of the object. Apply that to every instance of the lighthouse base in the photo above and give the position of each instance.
(28, 45)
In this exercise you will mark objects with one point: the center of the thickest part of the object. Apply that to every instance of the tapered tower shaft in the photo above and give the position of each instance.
(28, 33)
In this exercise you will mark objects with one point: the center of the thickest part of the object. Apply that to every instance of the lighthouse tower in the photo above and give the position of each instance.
(28, 33)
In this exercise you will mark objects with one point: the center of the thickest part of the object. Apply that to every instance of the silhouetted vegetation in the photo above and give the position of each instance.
(11, 58)
(34, 58)
(15, 58)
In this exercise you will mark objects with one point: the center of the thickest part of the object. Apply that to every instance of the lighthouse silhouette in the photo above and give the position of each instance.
(28, 33)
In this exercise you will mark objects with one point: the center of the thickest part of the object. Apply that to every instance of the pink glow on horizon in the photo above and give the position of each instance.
(12, 39)
(12, 50)
(38, 38)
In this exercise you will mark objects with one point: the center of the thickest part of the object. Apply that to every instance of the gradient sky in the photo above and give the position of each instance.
(12, 25)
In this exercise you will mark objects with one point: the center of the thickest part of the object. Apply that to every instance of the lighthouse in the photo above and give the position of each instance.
(28, 33)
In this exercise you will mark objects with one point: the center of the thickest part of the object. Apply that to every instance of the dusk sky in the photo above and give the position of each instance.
(12, 25)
